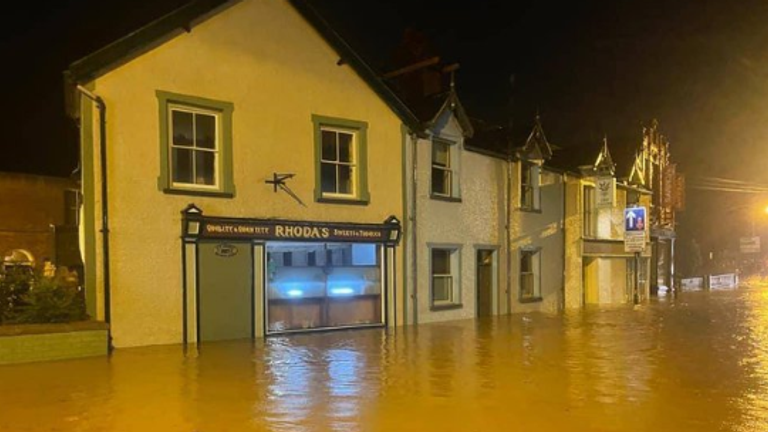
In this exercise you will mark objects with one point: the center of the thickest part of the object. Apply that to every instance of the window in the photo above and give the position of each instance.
(196, 145)
(445, 277)
(590, 212)
(529, 186)
(340, 147)
(444, 169)
(71, 207)
(530, 263)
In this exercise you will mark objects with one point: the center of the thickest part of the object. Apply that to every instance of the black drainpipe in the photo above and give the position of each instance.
(104, 205)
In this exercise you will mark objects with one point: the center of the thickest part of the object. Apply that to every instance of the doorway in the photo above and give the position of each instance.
(225, 291)
(485, 263)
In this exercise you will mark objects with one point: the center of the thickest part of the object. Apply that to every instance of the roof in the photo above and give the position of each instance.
(573, 158)
(188, 16)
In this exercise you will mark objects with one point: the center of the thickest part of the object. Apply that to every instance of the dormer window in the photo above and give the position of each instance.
(445, 173)
(529, 186)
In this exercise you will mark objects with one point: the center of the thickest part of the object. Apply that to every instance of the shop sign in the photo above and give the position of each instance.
(298, 231)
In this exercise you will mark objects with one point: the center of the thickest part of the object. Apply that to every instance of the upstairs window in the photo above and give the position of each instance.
(590, 212)
(196, 145)
(445, 166)
(341, 161)
(529, 186)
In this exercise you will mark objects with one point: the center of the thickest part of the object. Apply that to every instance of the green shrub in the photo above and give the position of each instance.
(28, 298)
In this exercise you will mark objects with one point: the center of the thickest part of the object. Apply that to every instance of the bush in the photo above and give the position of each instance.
(28, 297)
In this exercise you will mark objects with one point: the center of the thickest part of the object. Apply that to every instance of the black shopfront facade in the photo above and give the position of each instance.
(248, 278)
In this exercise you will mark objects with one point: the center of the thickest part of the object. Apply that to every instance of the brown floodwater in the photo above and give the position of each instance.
(695, 363)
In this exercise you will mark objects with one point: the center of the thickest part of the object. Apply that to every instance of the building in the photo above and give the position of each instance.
(598, 269)
(242, 176)
(38, 220)
(653, 169)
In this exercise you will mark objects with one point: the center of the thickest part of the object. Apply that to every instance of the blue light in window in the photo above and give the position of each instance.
(295, 293)
(342, 291)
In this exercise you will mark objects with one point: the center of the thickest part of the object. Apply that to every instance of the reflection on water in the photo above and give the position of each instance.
(695, 363)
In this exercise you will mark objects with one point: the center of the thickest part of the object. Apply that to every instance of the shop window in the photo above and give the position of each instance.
(589, 212)
(530, 275)
(195, 145)
(529, 186)
(341, 153)
(341, 292)
(445, 164)
(445, 280)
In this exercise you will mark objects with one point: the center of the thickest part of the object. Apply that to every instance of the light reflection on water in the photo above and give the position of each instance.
(696, 363)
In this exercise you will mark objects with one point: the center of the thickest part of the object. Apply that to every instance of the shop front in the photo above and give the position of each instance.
(247, 278)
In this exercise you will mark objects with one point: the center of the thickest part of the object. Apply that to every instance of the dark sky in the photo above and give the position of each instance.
(590, 68)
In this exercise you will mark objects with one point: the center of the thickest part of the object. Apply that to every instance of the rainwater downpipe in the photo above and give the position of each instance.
(508, 228)
(413, 219)
(102, 107)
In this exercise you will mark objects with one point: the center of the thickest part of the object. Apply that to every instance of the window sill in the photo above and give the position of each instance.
(532, 300)
(446, 307)
(529, 210)
(349, 201)
(445, 198)
(196, 192)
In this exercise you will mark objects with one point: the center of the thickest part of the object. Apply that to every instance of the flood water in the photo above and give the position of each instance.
(695, 363)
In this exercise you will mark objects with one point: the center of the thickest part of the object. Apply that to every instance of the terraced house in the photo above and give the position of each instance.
(242, 176)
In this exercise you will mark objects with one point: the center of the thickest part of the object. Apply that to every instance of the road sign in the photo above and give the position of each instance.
(634, 241)
(635, 226)
(749, 244)
(635, 220)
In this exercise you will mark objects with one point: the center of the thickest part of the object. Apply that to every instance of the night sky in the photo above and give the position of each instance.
(590, 68)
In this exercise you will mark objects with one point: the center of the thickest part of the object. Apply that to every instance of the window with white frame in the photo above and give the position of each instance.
(530, 274)
(590, 212)
(529, 186)
(445, 277)
(445, 166)
(195, 145)
(338, 164)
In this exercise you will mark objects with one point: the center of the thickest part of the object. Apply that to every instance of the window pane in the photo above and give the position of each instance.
(204, 168)
(345, 179)
(345, 147)
(329, 145)
(526, 261)
(442, 288)
(328, 177)
(182, 165)
(441, 181)
(441, 261)
(527, 286)
(182, 128)
(440, 154)
(205, 131)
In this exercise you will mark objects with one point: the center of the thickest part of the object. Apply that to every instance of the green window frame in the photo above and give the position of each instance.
(354, 162)
(224, 185)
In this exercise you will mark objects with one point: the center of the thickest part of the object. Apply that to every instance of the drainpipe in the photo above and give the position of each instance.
(565, 244)
(104, 203)
(508, 228)
(414, 237)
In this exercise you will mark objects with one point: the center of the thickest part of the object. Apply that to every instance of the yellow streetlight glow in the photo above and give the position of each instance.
(766, 209)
